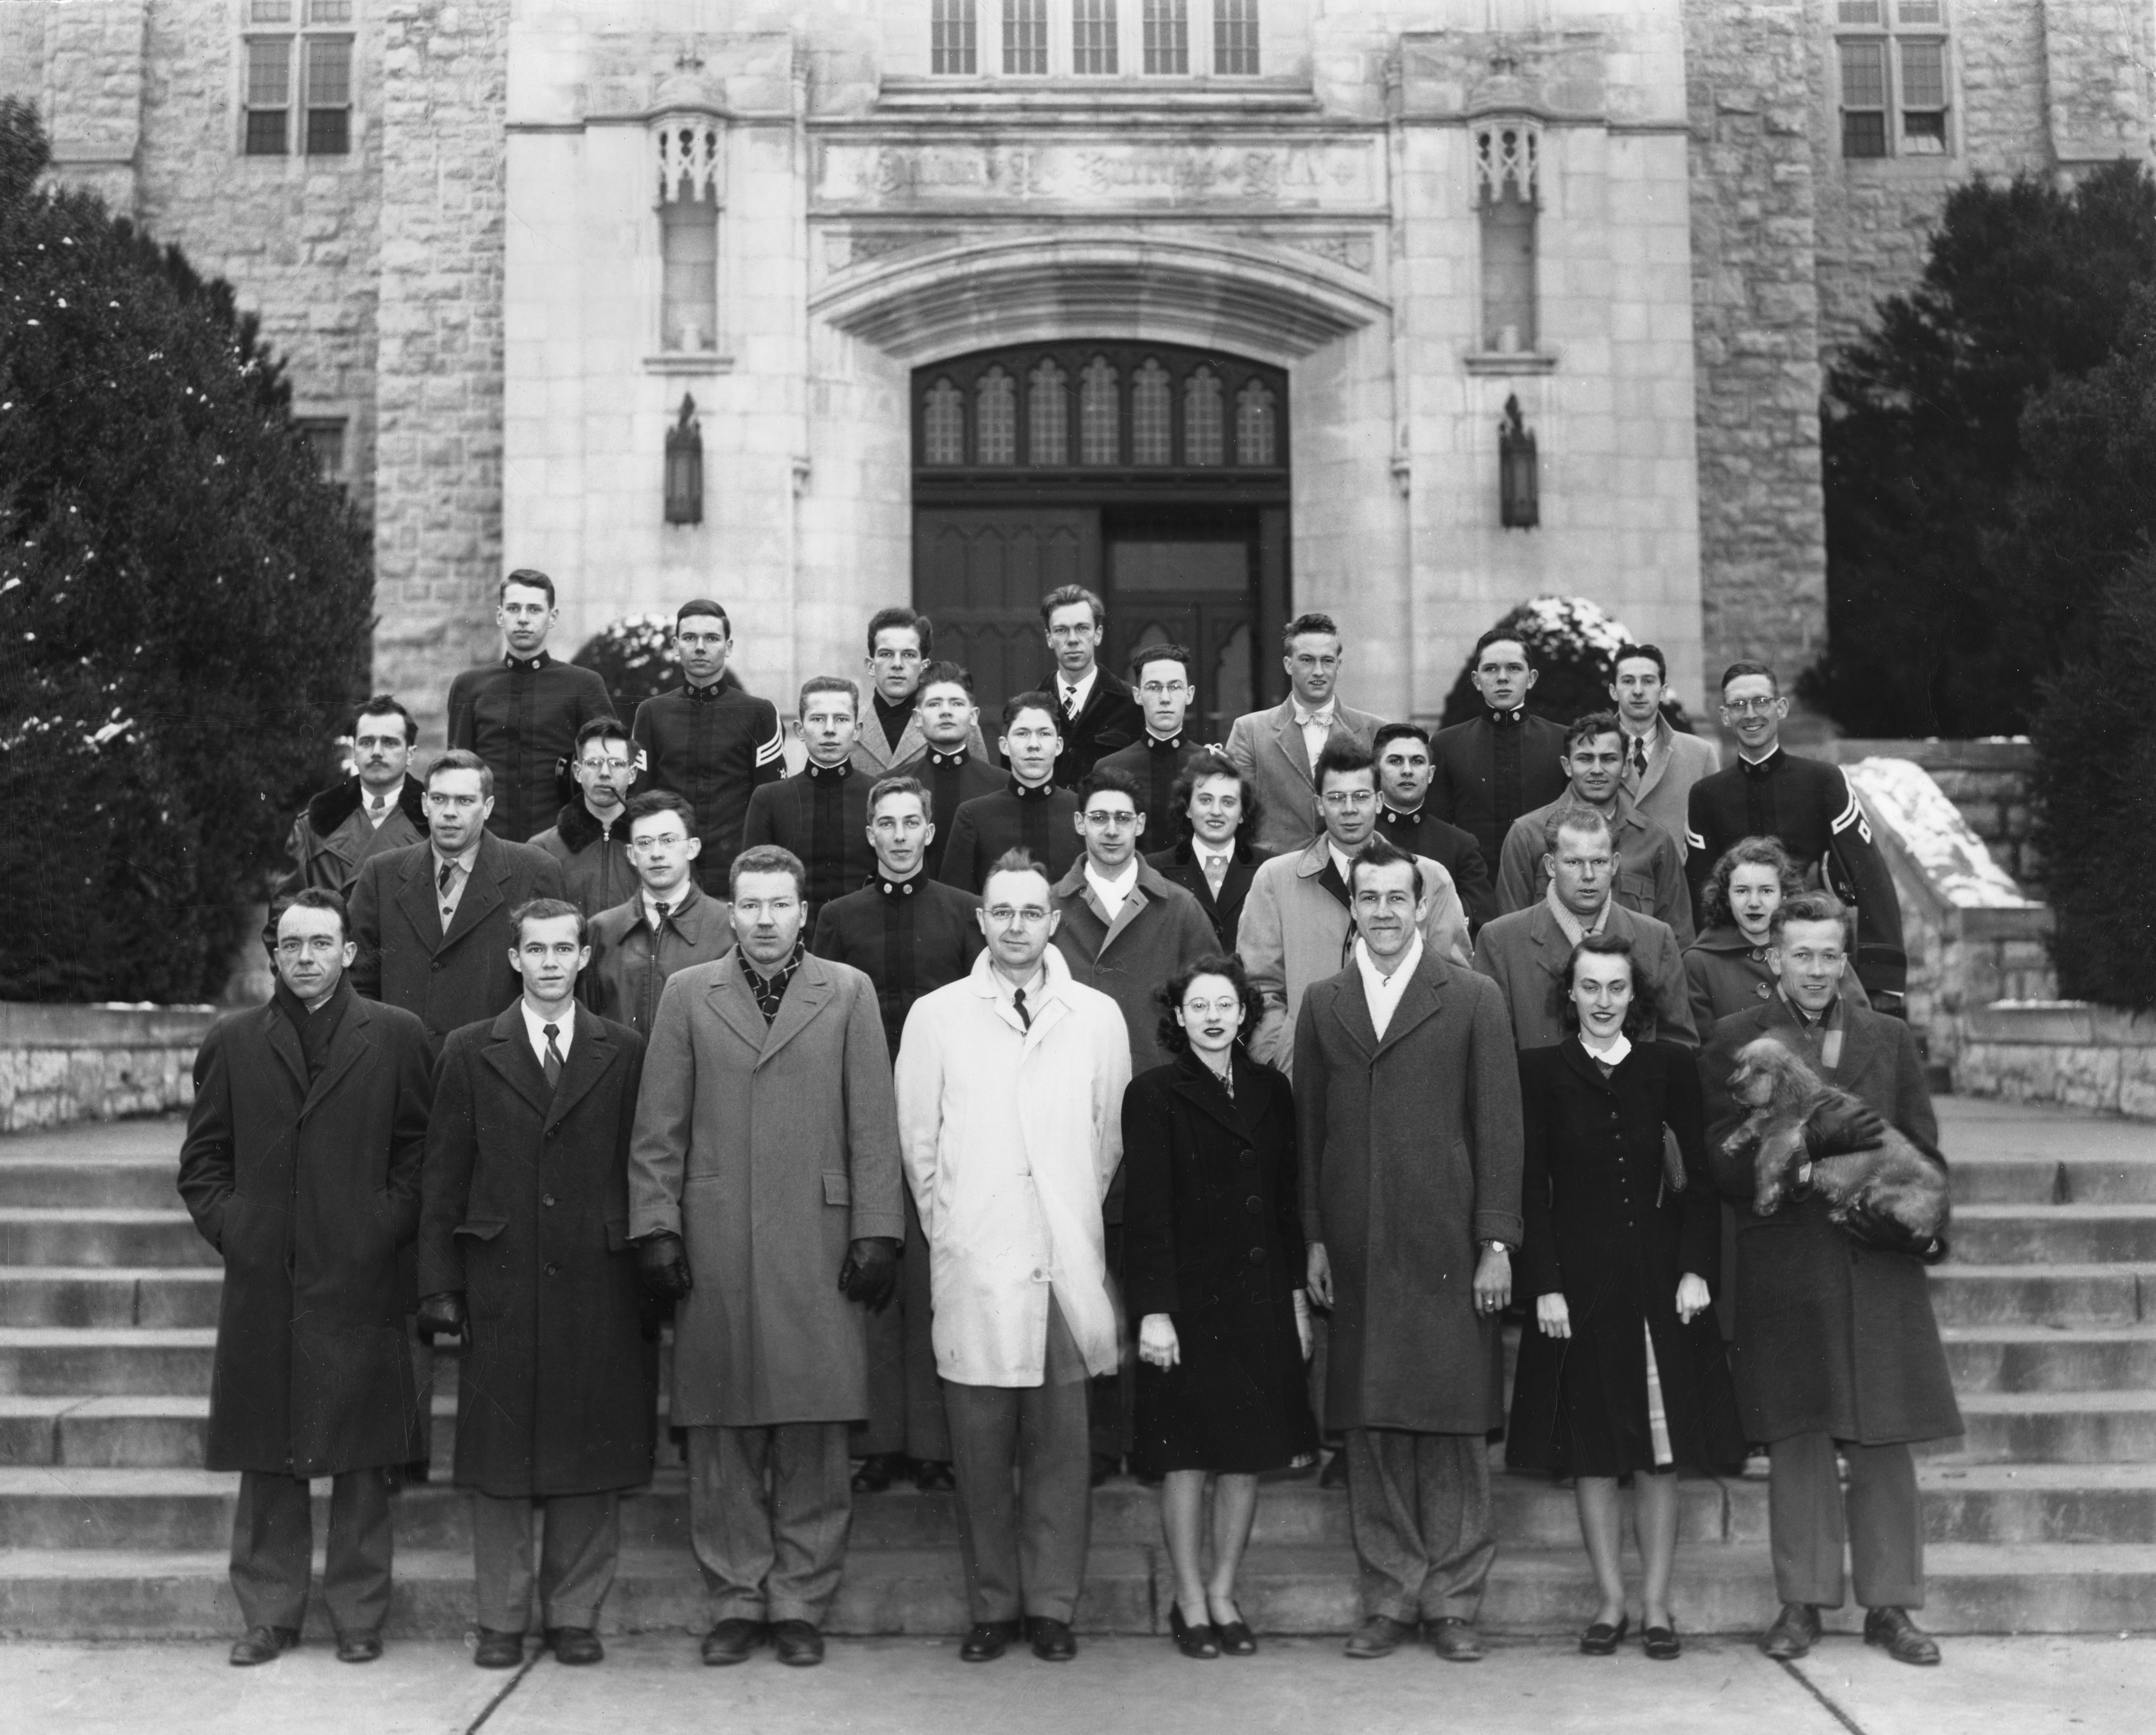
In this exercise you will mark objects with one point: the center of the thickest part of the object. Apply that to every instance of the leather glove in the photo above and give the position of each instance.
(443, 1316)
(664, 1265)
(870, 1273)
(1840, 1127)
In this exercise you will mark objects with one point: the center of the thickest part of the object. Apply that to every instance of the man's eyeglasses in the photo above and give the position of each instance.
(1749, 707)
(616, 766)
(1109, 818)
(1338, 799)
(1003, 914)
(665, 840)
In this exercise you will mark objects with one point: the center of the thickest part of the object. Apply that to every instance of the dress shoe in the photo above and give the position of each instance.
(1379, 1636)
(1660, 1643)
(872, 1475)
(1053, 1640)
(1197, 1641)
(797, 1643)
(1235, 1635)
(1893, 1631)
(1455, 1640)
(498, 1650)
(1602, 1639)
(358, 1647)
(731, 1641)
(263, 1645)
(1795, 1630)
(1335, 1473)
(988, 1641)
(575, 1647)
(1105, 1464)
(933, 1476)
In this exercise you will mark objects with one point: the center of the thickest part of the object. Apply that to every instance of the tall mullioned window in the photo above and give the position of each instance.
(1507, 161)
(952, 44)
(1093, 36)
(691, 175)
(1891, 58)
(297, 83)
(1235, 39)
(1025, 38)
(1168, 36)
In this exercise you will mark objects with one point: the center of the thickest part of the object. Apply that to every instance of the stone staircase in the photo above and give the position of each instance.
(2042, 1519)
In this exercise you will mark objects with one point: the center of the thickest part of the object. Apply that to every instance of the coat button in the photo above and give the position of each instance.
(1257, 1255)
(437, 963)
(1254, 1204)
(1249, 1159)
(546, 1198)
(553, 1270)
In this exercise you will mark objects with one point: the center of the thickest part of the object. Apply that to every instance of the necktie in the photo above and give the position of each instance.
(659, 915)
(1639, 755)
(377, 809)
(553, 1062)
(1017, 999)
(1071, 701)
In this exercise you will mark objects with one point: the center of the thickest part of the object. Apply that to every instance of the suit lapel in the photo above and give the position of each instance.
(285, 1042)
(1420, 1002)
(805, 996)
(508, 1052)
(415, 897)
(482, 892)
(1289, 739)
(1206, 1097)
(348, 1048)
(1577, 1059)
(1352, 1006)
(590, 1055)
(731, 998)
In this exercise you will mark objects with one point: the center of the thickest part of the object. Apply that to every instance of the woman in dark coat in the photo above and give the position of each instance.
(1623, 1373)
(1726, 968)
(1214, 1259)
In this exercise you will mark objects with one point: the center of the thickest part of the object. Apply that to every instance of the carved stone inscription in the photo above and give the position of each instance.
(1319, 175)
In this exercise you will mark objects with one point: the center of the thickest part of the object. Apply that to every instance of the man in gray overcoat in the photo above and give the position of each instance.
(1408, 1104)
(301, 1168)
(764, 1197)
(1837, 1351)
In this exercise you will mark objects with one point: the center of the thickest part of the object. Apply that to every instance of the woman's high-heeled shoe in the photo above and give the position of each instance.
(1193, 1641)
(1235, 1635)
(1602, 1639)
(1660, 1643)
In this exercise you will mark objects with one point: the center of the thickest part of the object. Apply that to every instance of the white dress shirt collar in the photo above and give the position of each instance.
(1115, 893)
(565, 1027)
(1381, 992)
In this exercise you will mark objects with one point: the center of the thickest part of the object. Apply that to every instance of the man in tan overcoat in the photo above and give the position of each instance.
(764, 1199)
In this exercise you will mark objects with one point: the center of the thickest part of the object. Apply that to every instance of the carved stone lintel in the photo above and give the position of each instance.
(1350, 250)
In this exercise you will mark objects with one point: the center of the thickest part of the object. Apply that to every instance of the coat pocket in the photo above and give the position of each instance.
(482, 1229)
(838, 1189)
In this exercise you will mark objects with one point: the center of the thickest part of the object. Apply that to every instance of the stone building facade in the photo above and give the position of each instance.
(1219, 305)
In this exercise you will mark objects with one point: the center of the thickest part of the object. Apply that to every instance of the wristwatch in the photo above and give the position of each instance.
(1493, 1244)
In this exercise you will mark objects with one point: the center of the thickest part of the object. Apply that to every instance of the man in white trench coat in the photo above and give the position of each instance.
(1011, 1089)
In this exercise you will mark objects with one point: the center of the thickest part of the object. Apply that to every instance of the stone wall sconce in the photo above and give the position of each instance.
(684, 467)
(1519, 506)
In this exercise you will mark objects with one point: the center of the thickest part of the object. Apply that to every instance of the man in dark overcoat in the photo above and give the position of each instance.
(909, 934)
(1408, 1103)
(432, 922)
(764, 1191)
(301, 1168)
(1836, 1350)
(524, 1250)
(667, 925)
(381, 807)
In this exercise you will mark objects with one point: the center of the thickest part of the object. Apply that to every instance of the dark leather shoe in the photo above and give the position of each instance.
(1198, 1641)
(1602, 1639)
(874, 1474)
(575, 1647)
(1455, 1639)
(263, 1645)
(1234, 1636)
(988, 1641)
(358, 1647)
(498, 1650)
(1053, 1640)
(1894, 1632)
(1795, 1630)
(1335, 1473)
(797, 1644)
(731, 1641)
(1660, 1643)
(1379, 1636)
(934, 1475)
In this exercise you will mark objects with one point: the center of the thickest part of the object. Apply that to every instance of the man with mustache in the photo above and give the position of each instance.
(379, 808)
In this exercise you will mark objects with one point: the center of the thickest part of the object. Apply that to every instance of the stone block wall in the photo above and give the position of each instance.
(1756, 314)
(2068, 1052)
(59, 1063)
(1988, 781)
(438, 458)
(92, 55)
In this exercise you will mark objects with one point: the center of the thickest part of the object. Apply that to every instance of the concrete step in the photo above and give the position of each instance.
(135, 1433)
(108, 1360)
(99, 1235)
(2060, 1294)
(2044, 1358)
(2001, 1234)
(92, 1296)
(2053, 1428)
(58, 1183)
(74, 1592)
(2041, 1179)
(64, 1506)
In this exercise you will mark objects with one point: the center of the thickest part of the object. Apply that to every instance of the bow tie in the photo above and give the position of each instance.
(1506, 719)
(1763, 768)
(1304, 719)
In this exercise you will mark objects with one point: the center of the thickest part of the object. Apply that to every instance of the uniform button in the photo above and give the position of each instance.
(1257, 1255)
(546, 1198)
(1254, 1204)
(437, 963)
(553, 1270)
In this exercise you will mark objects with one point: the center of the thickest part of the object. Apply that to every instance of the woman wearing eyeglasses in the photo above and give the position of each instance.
(1214, 1254)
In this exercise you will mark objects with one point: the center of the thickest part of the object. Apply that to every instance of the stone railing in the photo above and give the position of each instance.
(95, 1063)
(2069, 1052)
(1987, 780)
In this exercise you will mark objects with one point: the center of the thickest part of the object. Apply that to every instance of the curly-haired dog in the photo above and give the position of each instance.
(1868, 1173)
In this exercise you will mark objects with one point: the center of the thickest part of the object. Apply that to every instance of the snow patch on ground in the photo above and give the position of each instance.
(1902, 800)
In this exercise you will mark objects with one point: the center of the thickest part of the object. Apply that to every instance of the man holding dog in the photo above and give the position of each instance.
(1836, 1349)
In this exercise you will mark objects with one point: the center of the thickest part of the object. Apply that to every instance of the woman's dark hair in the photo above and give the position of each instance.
(1644, 1008)
(1213, 963)
(1202, 766)
(1746, 852)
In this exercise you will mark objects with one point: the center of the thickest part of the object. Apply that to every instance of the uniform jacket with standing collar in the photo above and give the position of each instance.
(1452, 847)
(1297, 930)
(909, 937)
(1470, 784)
(876, 756)
(952, 780)
(594, 857)
(1808, 805)
(821, 814)
(1267, 747)
(448, 978)
(1011, 1133)
(522, 719)
(630, 964)
(333, 836)
(1040, 820)
(1156, 765)
(713, 746)
(1525, 954)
